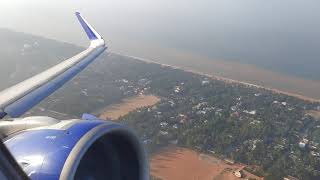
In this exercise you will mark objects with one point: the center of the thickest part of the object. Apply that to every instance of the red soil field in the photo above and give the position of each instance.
(174, 163)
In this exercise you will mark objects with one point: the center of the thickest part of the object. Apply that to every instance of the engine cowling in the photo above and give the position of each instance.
(78, 149)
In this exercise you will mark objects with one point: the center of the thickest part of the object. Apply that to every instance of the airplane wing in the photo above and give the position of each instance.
(47, 148)
(21, 97)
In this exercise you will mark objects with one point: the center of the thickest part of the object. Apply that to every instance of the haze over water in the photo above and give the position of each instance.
(281, 36)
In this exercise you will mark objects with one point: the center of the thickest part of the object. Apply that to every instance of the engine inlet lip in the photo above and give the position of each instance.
(79, 150)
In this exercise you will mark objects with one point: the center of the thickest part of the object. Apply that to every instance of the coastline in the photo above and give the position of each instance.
(227, 80)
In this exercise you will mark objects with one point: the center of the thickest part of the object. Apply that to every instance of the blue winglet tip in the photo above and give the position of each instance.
(91, 35)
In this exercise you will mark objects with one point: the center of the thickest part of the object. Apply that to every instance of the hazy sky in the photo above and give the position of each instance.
(120, 18)
(150, 19)
(263, 32)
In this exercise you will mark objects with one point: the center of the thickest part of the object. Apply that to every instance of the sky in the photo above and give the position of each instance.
(273, 34)
(155, 20)
(120, 18)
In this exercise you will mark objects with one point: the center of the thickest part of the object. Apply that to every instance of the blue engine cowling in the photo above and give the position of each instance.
(77, 149)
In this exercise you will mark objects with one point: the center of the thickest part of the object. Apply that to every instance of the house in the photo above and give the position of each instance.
(163, 124)
(250, 112)
(302, 145)
(238, 173)
(124, 80)
(313, 147)
(182, 121)
(164, 133)
(147, 141)
(234, 108)
(199, 106)
(171, 103)
(204, 83)
(177, 89)
(290, 178)
(255, 122)
(229, 161)
(201, 112)
(84, 92)
(313, 153)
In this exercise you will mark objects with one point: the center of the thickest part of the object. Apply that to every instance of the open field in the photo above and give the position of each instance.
(115, 111)
(314, 114)
(174, 163)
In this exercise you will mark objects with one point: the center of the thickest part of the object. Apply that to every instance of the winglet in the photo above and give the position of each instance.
(91, 33)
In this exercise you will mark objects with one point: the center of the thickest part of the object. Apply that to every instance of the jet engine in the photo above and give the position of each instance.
(47, 148)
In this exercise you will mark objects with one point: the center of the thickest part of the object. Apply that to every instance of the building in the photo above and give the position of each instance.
(290, 178)
(250, 112)
(239, 173)
(204, 83)
(302, 145)
(229, 161)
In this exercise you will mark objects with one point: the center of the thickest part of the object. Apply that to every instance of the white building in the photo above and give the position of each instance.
(204, 83)
(302, 145)
(238, 174)
(250, 112)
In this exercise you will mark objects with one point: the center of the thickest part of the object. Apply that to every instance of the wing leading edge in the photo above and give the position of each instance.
(21, 97)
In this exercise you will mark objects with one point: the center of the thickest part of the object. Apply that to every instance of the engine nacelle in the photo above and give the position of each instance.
(76, 149)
